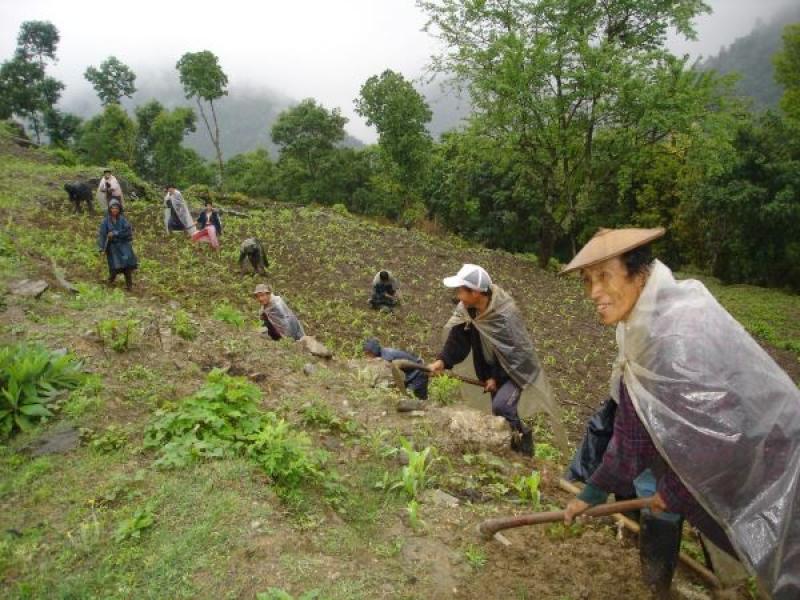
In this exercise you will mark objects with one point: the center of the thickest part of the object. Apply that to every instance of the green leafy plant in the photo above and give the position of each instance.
(444, 389)
(545, 451)
(182, 325)
(476, 557)
(412, 510)
(415, 475)
(228, 314)
(118, 334)
(30, 378)
(112, 439)
(527, 487)
(319, 414)
(132, 527)
(223, 419)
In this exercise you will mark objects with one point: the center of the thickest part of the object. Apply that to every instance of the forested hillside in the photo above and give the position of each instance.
(751, 58)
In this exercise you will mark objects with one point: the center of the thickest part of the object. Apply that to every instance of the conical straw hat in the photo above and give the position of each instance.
(608, 243)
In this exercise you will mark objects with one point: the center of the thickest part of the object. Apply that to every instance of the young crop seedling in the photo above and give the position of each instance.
(132, 527)
(444, 390)
(527, 487)
(117, 334)
(475, 556)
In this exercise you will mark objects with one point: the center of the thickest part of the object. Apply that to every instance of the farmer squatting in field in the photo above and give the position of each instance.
(701, 405)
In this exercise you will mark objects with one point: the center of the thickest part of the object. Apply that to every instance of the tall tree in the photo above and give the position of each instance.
(400, 114)
(62, 128)
(38, 40)
(203, 79)
(112, 80)
(108, 136)
(307, 133)
(25, 88)
(546, 76)
(787, 71)
(145, 116)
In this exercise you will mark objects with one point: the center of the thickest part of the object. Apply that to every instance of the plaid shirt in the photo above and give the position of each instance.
(631, 451)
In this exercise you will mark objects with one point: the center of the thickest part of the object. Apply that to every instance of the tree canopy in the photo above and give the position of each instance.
(112, 81)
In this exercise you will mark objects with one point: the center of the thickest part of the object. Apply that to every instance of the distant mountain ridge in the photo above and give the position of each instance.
(751, 57)
(245, 115)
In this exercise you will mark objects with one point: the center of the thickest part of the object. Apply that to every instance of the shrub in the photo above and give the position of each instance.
(182, 325)
(117, 334)
(223, 419)
(444, 389)
(30, 377)
(227, 314)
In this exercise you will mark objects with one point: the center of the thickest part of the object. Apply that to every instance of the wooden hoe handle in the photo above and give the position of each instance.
(491, 526)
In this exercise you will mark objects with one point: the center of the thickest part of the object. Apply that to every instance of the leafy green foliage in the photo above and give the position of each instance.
(527, 487)
(475, 556)
(227, 314)
(108, 136)
(203, 79)
(132, 527)
(222, 419)
(25, 89)
(787, 71)
(30, 377)
(400, 114)
(182, 326)
(112, 81)
(444, 389)
(415, 476)
(118, 334)
(319, 414)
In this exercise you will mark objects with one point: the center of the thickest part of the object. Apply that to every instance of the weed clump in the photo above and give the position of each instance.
(118, 334)
(31, 376)
(222, 419)
(227, 314)
(444, 389)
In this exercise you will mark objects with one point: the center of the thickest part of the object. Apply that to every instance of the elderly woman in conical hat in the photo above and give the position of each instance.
(701, 405)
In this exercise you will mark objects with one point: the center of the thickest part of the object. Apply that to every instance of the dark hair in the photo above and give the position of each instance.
(638, 260)
(383, 275)
(208, 201)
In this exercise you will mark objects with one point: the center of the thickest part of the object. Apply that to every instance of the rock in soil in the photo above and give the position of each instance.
(28, 288)
(60, 441)
(475, 427)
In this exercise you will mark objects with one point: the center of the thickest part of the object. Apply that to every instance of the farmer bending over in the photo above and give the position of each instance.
(279, 320)
(252, 250)
(384, 290)
(415, 380)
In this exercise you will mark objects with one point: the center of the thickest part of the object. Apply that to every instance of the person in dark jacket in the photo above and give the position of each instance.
(416, 380)
(384, 291)
(209, 227)
(252, 250)
(114, 238)
(488, 324)
(78, 192)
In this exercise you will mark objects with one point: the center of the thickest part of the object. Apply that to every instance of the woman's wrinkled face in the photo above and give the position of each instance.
(613, 292)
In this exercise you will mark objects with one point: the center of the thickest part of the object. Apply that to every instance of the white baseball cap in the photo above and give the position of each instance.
(470, 276)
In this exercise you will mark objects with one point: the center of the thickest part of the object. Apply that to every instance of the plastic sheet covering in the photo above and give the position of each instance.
(723, 415)
(282, 318)
(504, 336)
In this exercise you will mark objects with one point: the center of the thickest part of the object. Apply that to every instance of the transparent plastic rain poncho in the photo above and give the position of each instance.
(723, 415)
(504, 336)
(282, 318)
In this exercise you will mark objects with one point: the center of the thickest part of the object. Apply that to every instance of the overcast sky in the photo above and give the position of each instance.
(302, 48)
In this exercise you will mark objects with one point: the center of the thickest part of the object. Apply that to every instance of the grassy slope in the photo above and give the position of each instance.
(219, 530)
